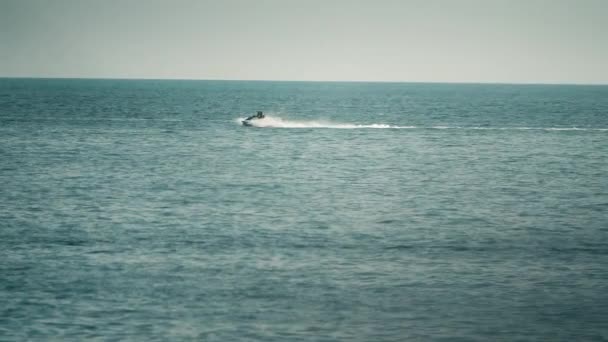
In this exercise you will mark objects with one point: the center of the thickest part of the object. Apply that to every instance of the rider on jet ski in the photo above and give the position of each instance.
(259, 115)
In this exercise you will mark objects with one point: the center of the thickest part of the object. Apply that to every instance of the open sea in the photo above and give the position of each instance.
(143, 210)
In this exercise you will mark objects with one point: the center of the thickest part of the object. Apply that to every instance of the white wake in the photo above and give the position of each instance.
(277, 122)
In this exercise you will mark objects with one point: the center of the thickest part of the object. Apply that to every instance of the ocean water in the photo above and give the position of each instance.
(143, 210)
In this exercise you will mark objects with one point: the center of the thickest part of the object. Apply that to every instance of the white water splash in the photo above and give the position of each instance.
(277, 122)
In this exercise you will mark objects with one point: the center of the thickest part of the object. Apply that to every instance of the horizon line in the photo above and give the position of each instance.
(304, 81)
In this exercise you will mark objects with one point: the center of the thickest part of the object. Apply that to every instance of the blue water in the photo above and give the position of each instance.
(143, 210)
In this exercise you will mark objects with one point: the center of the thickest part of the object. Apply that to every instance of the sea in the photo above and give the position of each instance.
(143, 210)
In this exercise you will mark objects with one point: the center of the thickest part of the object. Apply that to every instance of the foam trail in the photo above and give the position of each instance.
(277, 122)
(522, 128)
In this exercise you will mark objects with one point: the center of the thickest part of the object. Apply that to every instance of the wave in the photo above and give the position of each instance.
(277, 122)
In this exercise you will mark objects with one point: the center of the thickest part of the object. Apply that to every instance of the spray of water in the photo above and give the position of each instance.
(277, 122)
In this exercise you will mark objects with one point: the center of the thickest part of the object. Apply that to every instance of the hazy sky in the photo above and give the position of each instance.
(539, 41)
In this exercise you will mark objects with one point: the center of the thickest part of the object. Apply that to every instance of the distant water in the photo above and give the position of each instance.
(143, 210)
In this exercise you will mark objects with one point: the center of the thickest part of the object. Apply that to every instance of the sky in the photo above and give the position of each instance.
(495, 41)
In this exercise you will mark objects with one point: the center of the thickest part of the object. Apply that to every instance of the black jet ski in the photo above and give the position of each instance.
(249, 120)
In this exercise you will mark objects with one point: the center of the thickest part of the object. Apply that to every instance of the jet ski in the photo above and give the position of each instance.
(249, 120)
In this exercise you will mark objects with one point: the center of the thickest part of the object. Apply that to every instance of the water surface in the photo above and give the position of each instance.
(143, 210)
